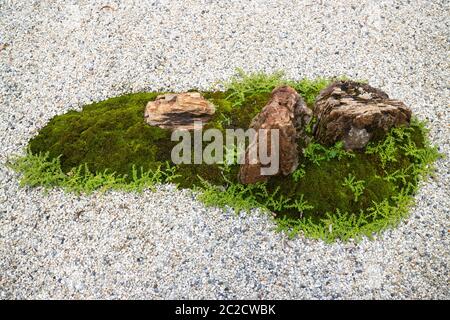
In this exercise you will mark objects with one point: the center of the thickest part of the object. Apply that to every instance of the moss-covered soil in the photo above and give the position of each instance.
(333, 194)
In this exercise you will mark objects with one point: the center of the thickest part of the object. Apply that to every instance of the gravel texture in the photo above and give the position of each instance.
(58, 55)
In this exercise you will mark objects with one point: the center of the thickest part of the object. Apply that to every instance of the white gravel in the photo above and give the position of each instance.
(63, 54)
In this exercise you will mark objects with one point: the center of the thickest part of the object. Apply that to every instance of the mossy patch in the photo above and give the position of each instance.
(333, 194)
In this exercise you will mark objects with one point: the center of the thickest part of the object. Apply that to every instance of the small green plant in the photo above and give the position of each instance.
(300, 205)
(237, 196)
(274, 201)
(141, 179)
(387, 149)
(356, 186)
(38, 170)
(299, 173)
(41, 170)
(409, 144)
(345, 226)
(310, 126)
(309, 89)
(82, 180)
(224, 120)
(316, 152)
(243, 85)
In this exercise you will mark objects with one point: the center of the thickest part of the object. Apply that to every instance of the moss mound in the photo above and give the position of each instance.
(333, 195)
(106, 135)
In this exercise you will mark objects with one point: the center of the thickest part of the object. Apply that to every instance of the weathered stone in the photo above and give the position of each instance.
(279, 113)
(355, 113)
(303, 116)
(178, 111)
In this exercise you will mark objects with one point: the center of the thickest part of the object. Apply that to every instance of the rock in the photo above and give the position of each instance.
(355, 113)
(178, 111)
(279, 113)
(303, 116)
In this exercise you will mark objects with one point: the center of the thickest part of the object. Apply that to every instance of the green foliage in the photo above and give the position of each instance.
(141, 179)
(387, 149)
(42, 170)
(243, 85)
(310, 126)
(308, 89)
(38, 170)
(237, 196)
(408, 152)
(356, 186)
(299, 173)
(107, 135)
(316, 152)
(345, 226)
(300, 205)
(241, 197)
(107, 145)
(246, 94)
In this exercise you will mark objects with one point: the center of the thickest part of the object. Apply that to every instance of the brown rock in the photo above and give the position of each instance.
(355, 113)
(178, 111)
(279, 113)
(303, 116)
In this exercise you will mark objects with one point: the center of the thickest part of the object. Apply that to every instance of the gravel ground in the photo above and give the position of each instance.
(58, 55)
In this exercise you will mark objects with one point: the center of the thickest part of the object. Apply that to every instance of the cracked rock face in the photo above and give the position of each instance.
(355, 113)
(178, 111)
(279, 113)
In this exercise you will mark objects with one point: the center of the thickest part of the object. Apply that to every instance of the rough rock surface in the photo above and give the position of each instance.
(355, 112)
(178, 111)
(303, 116)
(279, 113)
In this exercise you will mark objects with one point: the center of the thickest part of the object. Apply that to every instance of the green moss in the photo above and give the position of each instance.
(333, 194)
(106, 135)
